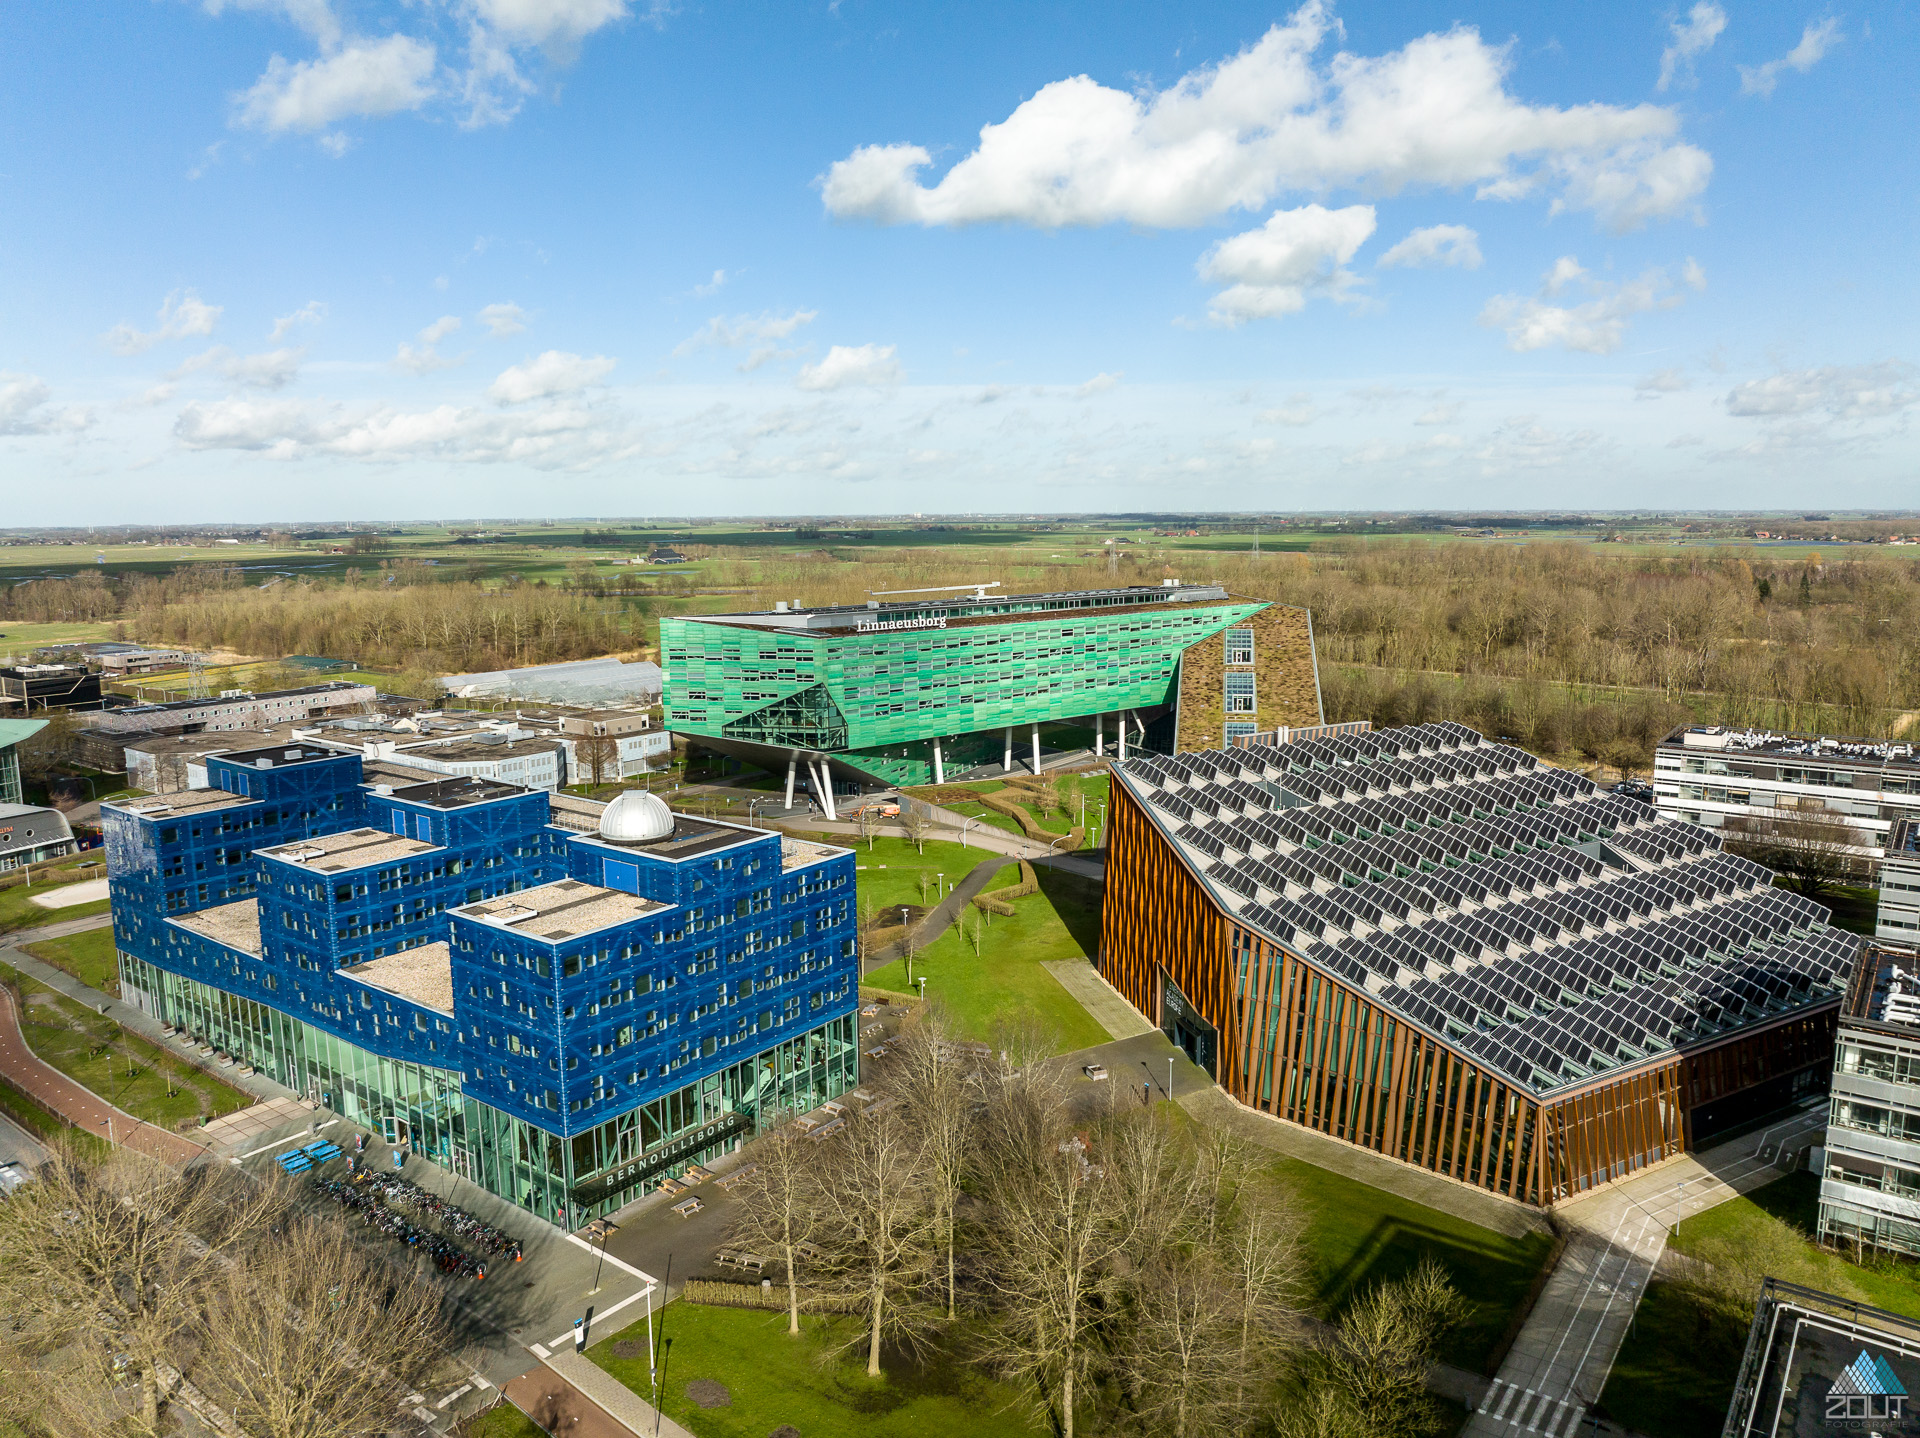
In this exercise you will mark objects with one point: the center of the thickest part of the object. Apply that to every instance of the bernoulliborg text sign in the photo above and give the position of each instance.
(870, 626)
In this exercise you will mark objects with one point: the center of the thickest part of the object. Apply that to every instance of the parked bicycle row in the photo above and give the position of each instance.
(357, 1199)
(401, 1193)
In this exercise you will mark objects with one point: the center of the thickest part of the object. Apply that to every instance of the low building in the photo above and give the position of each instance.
(1816, 1363)
(1755, 780)
(1899, 914)
(30, 834)
(13, 732)
(1440, 949)
(168, 763)
(119, 663)
(530, 763)
(593, 682)
(30, 688)
(237, 710)
(1870, 1173)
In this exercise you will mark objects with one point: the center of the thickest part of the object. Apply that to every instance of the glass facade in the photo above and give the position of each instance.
(877, 693)
(557, 1016)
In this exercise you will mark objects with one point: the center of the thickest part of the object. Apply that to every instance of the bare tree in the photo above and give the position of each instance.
(782, 1206)
(105, 1266)
(598, 755)
(941, 1082)
(918, 824)
(866, 821)
(1184, 1364)
(1812, 850)
(311, 1336)
(879, 1248)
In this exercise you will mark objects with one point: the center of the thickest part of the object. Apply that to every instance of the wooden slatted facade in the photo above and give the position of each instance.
(1303, 1046)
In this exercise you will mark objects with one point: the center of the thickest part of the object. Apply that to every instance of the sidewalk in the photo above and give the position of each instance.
(940, 917)
(80, 1106)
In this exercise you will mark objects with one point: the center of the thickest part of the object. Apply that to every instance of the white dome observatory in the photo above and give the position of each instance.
(636, 817)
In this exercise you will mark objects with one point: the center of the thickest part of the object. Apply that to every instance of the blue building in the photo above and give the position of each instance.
(559, 1016)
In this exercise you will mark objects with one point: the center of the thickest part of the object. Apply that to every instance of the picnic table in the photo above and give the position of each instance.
(688, 1207)
(739, 1175)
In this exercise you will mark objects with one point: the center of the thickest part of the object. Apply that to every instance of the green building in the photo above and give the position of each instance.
(934, 689)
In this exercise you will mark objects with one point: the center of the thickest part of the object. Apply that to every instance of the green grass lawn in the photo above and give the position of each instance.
(121, 1067)
(1358, 1235)
(17, 636)
(1005, 979)
(502, 1420)
(774, 1379)
(44, 1124)
(1072, 787)
(18, 911)
(1676, 1371)
(90, 957)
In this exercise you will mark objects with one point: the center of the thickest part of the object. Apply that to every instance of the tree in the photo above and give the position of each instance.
(1812, 850)
(781, 1205)
(106, 1266)
(1370, 1373)
(311, 1336)
(867, 822)
(941, 1082)
(45, 753)
(598, 755)
(879, 1248)
(918, 823)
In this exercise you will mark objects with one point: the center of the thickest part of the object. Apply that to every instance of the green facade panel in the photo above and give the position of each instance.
(881, 697)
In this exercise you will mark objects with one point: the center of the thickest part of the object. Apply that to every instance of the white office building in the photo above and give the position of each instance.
(1870, 1167)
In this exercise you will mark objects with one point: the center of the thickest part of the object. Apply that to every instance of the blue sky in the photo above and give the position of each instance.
(307, 259)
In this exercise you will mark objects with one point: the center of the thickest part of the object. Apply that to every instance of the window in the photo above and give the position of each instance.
(1240, 729)
(1239, 693)
(1239, 646)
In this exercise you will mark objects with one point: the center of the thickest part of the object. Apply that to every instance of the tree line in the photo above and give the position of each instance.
(1125, 1269)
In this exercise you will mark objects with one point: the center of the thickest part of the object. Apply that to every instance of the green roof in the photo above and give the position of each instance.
(12, 731)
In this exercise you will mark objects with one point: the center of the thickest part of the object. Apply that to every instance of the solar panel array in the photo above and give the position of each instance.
(1545, 928)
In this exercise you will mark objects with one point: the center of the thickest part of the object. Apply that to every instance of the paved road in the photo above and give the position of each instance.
(1559, 1364)
(80, 1106)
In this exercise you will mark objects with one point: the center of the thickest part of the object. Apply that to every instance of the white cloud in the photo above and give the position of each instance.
(311, 313)
(712, 286)
(1442, 412)
(24, 408)
(1434, 246)
(555, 372)
(745, 330)
(1597, 326)
(503, 320)
(1686, 441)
(316, 17)
(1099, 384)
(1692, 38)
(548, 22)
(182, 313)
(1297, 411)
(1269, 121)
(1815, 41)
(425, 358)
(872, 366)
(274, 369)
(1849, 392)
(1664, 381)
(1271, 271)
(559, 436)
(362, 78)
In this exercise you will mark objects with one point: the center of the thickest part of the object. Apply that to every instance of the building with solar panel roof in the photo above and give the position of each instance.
(1437, 947)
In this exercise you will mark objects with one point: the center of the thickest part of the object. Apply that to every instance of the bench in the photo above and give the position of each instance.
(861, 1096)
(827, 1130)
(878, 1051)
(874, 1110)
(294, 1162)
(696, 1174)
(672, 1185)
(739, 1175)
(733, 1258)
(688, 1207)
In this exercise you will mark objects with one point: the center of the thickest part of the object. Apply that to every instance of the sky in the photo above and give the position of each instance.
(301, 260)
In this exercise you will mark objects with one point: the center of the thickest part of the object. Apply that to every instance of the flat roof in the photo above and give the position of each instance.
(179, 704)
(349, 849)
(273, 756)
(184, 802)
(472, 746)
(1885, 987)
(1802, 746)
(235, 925)
(1552, 933)
(965, 606)
(459, 791)
(690, 838)
(562, 910)
(422, 976)
(798, 853)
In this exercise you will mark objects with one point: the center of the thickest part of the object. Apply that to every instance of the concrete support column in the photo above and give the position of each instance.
(1036, 748)
(1120, 728)
(793, 766)
(939, 770)
(1099, 736)
(823, 785)
(1007, 763)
